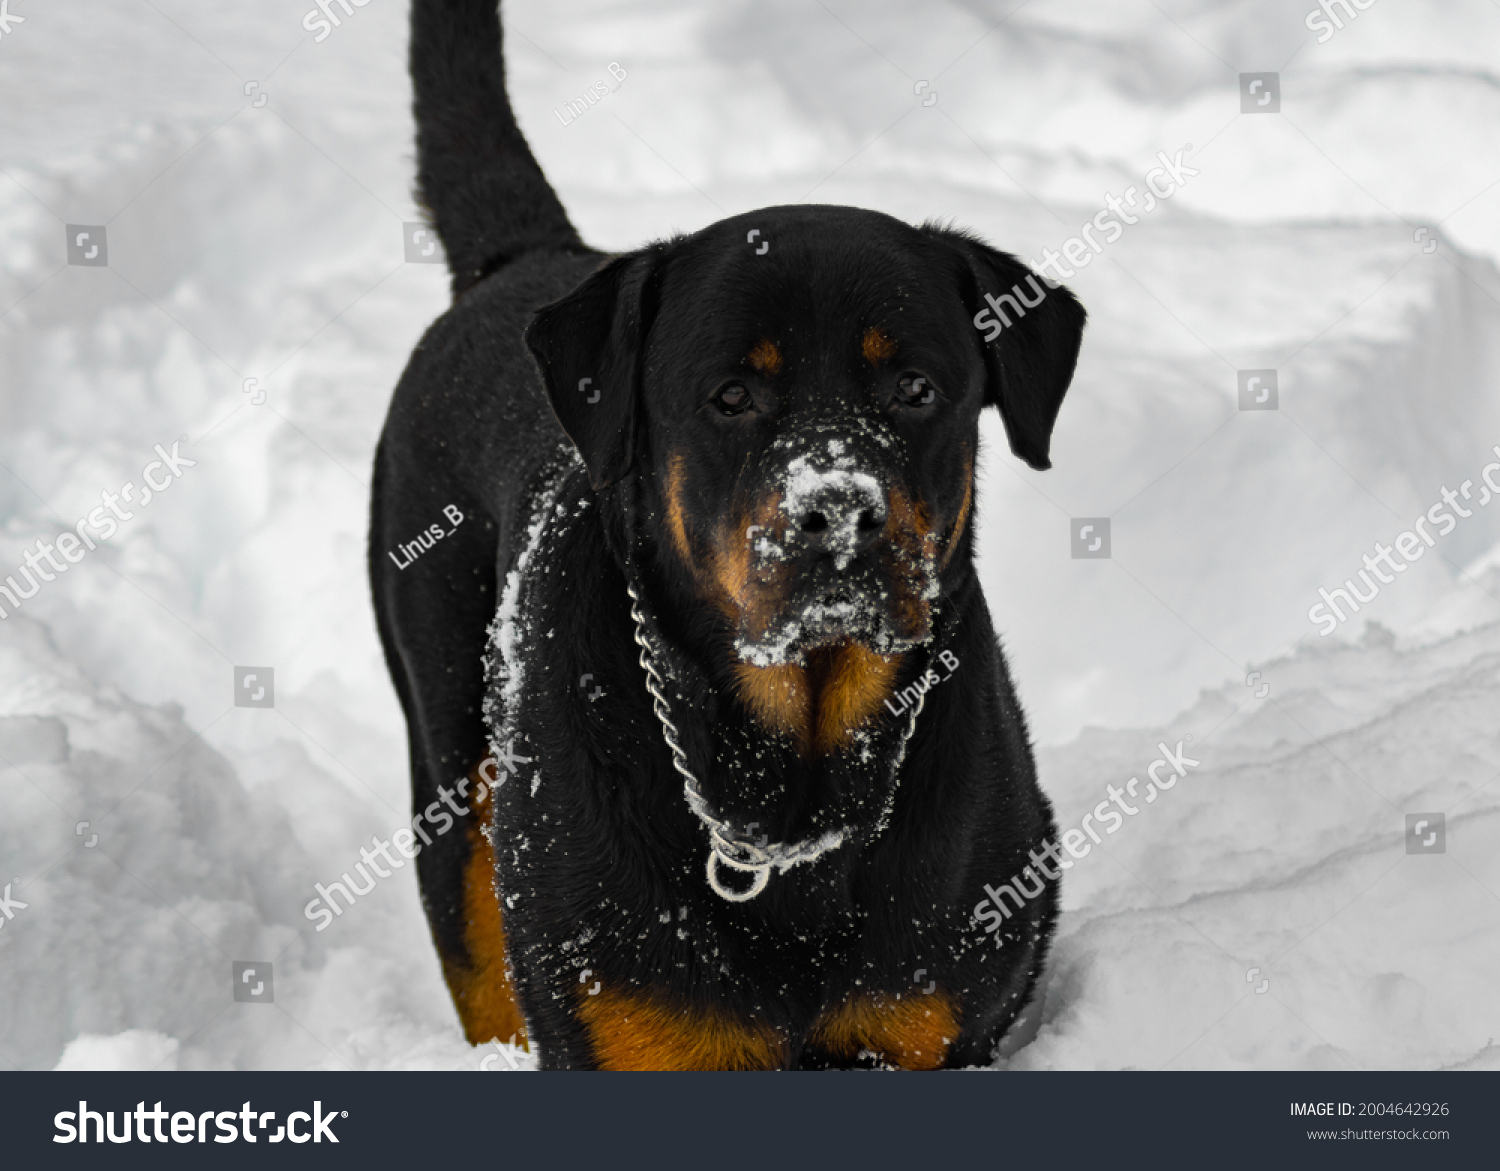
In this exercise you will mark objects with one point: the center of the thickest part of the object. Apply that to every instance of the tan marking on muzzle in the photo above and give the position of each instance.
(750, 595)
(913, 556)
(676, 522)
(965, 507)
(818, 706)
(723, 572)
(726, 576)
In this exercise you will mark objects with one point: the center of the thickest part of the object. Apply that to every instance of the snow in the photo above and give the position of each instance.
(806, 487)
(825, 480)
(509, 633)
(134, 1049)
(1284, 853)
(257, 250)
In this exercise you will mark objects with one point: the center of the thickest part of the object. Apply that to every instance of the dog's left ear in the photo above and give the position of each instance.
(1030, 331)
(589, 348)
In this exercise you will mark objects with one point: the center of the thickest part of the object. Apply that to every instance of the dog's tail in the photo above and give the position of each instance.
(476, 176)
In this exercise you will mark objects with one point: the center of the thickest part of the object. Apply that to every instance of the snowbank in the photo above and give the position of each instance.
(1287, 852)
(256, 250)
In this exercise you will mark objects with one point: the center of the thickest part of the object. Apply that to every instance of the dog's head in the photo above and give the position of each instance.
(797, 392)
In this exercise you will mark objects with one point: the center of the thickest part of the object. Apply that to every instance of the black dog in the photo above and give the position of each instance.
(701, 665)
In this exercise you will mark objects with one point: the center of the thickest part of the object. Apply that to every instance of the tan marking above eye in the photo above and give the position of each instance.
(877, 346)
(765, 358)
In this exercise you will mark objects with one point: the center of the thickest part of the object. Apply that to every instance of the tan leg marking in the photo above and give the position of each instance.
(911, 1033)
(481, 989)
(634, 1030)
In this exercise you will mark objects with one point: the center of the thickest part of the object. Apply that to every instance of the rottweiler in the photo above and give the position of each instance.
(714, 751)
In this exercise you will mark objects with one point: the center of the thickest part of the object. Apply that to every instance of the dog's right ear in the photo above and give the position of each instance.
(1030, 351)
(589, 347)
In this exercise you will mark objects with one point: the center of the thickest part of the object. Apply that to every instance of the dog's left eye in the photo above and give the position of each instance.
(915, 390)
(733, 399)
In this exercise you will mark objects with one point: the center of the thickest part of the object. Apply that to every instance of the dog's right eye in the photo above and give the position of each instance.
(733, 399)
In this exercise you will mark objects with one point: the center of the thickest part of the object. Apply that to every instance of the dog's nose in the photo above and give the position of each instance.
(842, 514)
(828, 525)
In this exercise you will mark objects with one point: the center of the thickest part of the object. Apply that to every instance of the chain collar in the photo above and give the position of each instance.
(725, 847)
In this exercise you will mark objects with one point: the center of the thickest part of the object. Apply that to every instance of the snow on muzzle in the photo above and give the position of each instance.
(833, 512)
(837, 553)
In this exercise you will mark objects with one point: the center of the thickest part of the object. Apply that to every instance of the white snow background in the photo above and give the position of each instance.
(264, 241)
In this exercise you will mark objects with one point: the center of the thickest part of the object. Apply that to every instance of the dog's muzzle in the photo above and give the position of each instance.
(833, 513)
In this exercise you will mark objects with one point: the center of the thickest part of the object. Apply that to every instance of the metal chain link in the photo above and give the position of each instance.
(725, 848)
